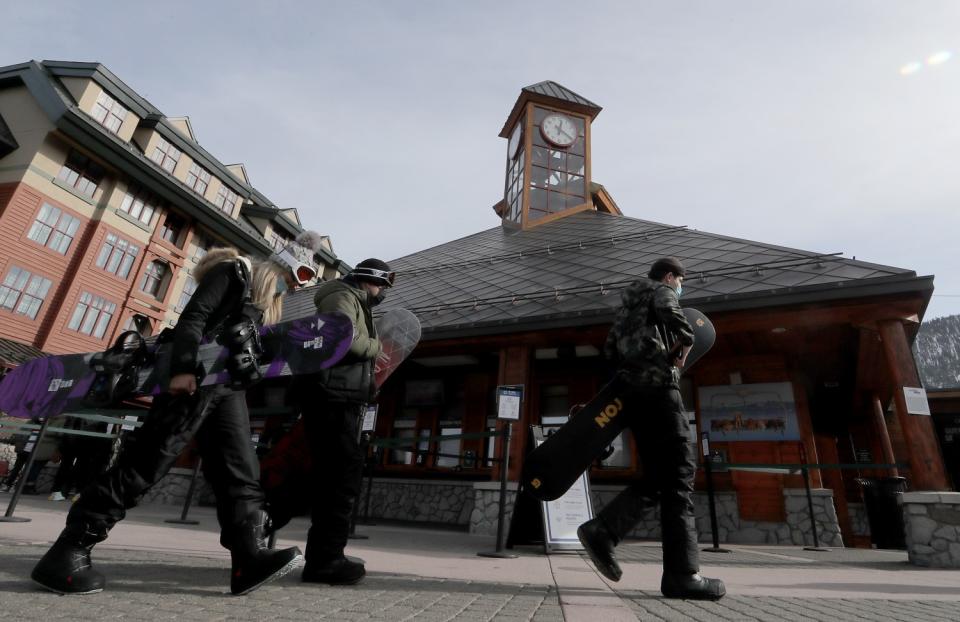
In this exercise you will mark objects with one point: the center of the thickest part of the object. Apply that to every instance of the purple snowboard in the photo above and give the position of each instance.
(46, 386)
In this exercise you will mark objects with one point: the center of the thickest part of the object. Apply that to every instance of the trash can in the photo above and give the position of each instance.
(883, 512)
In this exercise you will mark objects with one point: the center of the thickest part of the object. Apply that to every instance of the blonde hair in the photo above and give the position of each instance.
(263, 290)
(263, 285)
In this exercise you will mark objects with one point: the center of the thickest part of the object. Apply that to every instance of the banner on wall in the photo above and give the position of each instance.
(749, 412)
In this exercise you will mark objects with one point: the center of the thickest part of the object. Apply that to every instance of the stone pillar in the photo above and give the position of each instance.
(926, 464)
(932, 522)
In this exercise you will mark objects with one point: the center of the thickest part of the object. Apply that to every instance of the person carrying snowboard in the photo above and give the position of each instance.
(234, 296)
(332, 406)
(641, 344)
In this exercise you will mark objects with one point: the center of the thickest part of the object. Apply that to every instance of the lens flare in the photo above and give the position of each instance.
(911, 68)
(940, 57)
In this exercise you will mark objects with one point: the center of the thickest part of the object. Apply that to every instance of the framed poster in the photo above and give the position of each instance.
(562, 517)
(749, 412)
(509, 398)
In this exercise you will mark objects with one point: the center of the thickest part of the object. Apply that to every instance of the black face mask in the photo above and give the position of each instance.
(375, 300)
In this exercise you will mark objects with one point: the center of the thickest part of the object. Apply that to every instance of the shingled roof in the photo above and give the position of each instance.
(12, 353)
(568, 272)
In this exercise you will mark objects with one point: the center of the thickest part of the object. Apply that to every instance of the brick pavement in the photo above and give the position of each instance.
(160, 571)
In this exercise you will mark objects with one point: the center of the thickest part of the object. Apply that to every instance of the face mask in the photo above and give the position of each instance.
(375, 300)
(679, 289)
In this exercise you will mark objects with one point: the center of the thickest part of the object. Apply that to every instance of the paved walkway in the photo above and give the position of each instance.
(157, 570)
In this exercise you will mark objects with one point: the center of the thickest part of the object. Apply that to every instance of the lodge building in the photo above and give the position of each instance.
(812, 348)
(106, 204)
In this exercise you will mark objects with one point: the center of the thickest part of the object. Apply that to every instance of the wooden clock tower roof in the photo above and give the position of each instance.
(550, 93)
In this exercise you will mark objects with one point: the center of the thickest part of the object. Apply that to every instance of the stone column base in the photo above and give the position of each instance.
(932, 522)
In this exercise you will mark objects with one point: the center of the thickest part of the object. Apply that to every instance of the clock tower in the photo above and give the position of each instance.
(548, 156)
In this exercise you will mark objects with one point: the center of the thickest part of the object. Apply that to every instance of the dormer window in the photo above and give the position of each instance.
(198, 178)
(108, 112)
(81, 173)
(226, 200)
(166, 155)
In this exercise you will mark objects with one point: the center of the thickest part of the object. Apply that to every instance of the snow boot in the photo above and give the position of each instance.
(252, 563)
(66, 567)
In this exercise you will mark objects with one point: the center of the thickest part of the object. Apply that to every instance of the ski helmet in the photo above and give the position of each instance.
(297, 256)
(374, 271)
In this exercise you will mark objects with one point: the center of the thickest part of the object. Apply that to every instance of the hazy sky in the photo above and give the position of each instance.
(828, 125)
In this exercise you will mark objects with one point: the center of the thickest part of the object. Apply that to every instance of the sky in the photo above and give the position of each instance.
(814, 124)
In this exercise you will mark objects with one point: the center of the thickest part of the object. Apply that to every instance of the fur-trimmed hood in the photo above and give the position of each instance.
(215, 256)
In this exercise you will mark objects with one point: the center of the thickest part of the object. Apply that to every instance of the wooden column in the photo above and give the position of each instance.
(881, 426)
(926, 463)
(515, 369)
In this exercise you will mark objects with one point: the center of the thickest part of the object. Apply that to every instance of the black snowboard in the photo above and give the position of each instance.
(550, 469)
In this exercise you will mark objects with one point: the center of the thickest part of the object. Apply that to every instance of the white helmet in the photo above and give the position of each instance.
(297, 256)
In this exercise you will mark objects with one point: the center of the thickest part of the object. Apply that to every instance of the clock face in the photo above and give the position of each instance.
(514, 144)
(559, 130)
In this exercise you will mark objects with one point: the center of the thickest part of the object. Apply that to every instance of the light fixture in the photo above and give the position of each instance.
(779, 330)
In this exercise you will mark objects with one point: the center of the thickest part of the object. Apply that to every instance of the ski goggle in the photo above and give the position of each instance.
(381, 277)
(302, 273)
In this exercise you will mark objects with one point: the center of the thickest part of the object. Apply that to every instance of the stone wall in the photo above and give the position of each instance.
(732, 529)
(859, 522)
(932, 521)
(429, 501)
(170, 490)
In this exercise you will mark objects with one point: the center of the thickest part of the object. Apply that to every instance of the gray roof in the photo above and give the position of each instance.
(550, 88)
(12, 353)
(568, 272)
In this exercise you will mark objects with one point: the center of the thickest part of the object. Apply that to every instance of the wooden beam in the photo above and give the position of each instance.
(515, 369)
(881, 425)
(761, 320)
(926, 463)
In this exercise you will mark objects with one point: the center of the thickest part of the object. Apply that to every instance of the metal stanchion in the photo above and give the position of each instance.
(708, 469)
(806, 484)
(352, 534)
(183, 520)
(8, 517)
(504, 469)
(366, 507)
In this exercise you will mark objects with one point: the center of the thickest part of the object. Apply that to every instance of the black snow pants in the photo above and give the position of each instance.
(666, 454)
(219, 419)
(332, 432)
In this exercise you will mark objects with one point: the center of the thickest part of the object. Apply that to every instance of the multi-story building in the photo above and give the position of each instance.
(106, 204)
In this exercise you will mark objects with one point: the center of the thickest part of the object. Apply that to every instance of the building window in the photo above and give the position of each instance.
(226, 199)
(198, 179)
(557, 174)
(54, 228)
(277, 241)
(92, 315)
(139, 323)
(140, 205)
(172, 229)
(154, 279)
(108, 112)
(23, 292)
(117, 255)
(81, 173)
(200, 246)
(166, 155)
(188, 288)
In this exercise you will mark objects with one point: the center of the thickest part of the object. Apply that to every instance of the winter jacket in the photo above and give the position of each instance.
(352, 379)
(647, 326)
(217, 302)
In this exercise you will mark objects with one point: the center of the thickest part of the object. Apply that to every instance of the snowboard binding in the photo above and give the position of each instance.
(117, 369)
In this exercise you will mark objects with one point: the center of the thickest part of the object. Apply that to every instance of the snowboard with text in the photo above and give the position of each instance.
(48, 385)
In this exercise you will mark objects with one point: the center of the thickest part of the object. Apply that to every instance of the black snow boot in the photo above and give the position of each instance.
(66, 567)
(599, 544)
(252, 563)
(337, 571)
(691, 587)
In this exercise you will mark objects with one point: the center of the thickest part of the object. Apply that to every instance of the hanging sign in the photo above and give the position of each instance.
(369, 423)
(916, 398)
(509, 398)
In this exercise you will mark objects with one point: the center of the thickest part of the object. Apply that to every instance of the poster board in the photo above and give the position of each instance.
(562, 517)
(916, 400)
(749, 412)
(509, 399)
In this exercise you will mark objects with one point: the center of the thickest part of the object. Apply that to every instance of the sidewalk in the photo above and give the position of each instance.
(157, 570)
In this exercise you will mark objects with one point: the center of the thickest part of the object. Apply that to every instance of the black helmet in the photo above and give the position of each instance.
(374, 271)
(665, 265)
